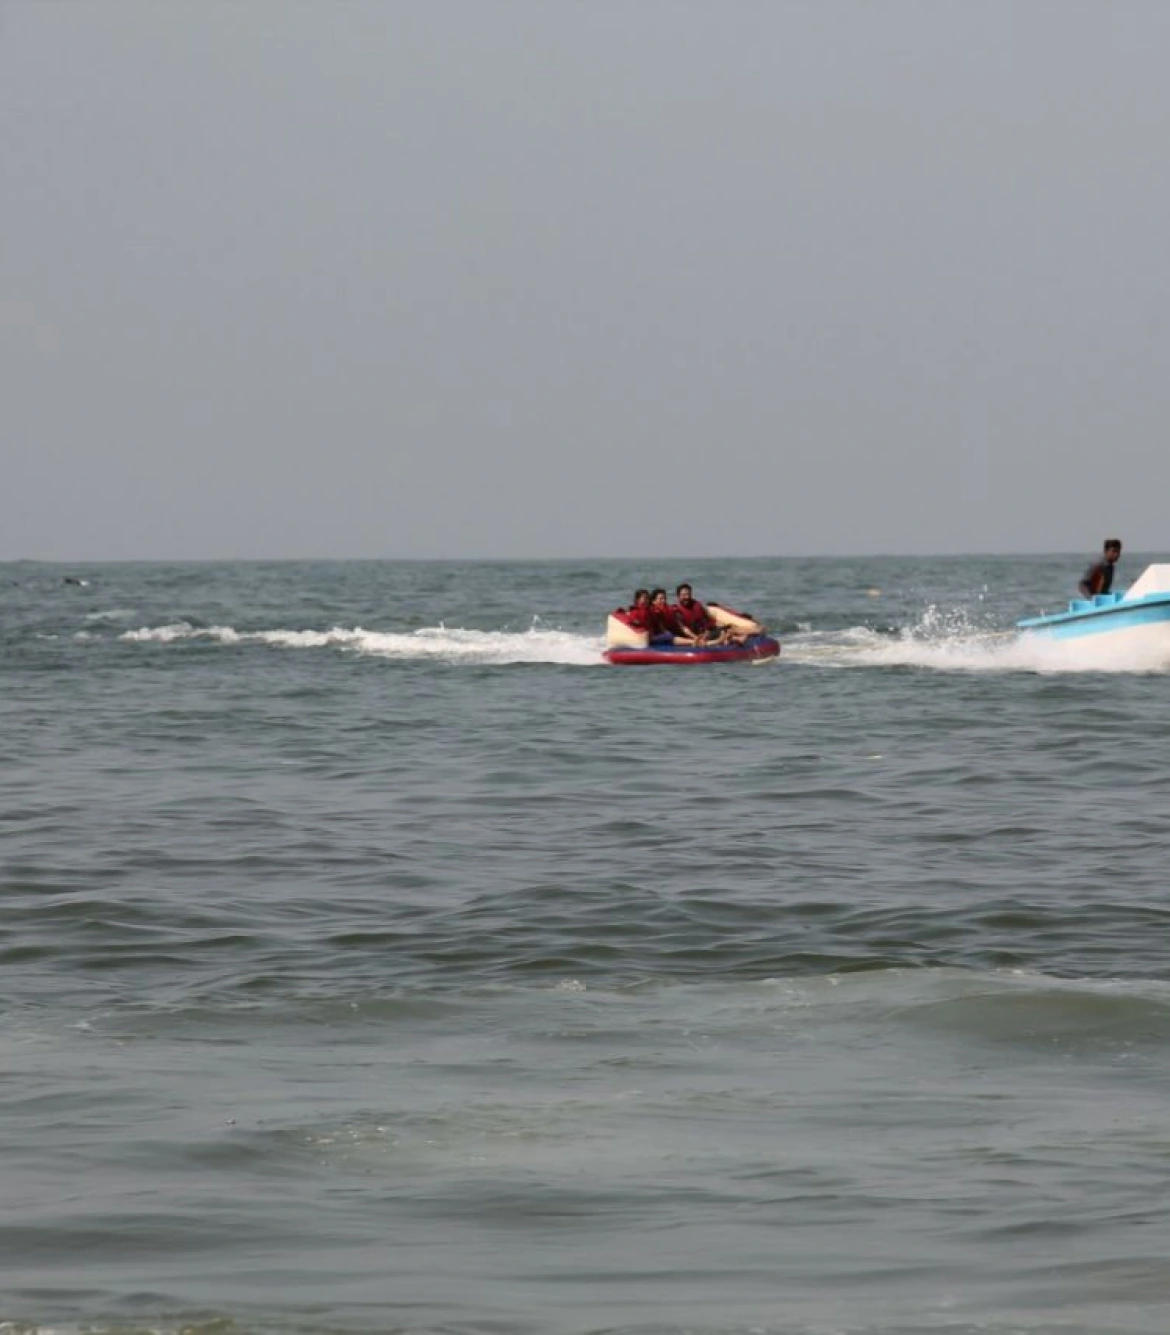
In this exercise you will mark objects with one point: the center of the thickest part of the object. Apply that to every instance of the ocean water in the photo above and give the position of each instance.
(373, 958)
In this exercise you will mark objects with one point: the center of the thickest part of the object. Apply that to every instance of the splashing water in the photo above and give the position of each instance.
(947, 640)
(536, 645)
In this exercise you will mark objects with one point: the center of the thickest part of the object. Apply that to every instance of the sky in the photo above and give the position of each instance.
(583, 278)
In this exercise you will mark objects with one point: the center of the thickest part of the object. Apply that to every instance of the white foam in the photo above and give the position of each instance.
(943, 644)
(178, 630)
(439, 643)
(942, 641)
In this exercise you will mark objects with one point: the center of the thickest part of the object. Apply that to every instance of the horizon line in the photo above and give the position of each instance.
(538, 560)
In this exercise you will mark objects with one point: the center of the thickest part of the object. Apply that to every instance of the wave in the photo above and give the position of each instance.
(441, 643)
(941, 640)
(947, 641)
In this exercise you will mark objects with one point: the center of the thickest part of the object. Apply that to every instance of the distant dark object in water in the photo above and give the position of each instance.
(72, 579)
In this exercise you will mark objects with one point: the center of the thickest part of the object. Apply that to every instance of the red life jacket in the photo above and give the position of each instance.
(662, 620)
(638, 618)
(693, 618)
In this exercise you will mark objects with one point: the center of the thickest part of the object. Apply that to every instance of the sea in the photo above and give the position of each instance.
(374, 957)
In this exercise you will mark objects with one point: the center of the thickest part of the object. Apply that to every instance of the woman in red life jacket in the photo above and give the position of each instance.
(664, 627)
(638, 612)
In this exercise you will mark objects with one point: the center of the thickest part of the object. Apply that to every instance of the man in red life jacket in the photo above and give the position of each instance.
(697, 625)
(692, 618)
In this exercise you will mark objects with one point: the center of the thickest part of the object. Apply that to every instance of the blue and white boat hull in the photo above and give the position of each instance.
(1113, 630)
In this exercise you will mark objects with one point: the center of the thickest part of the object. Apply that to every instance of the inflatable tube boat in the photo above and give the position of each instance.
(627, 646)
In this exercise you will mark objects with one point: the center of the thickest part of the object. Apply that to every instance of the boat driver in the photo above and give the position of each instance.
(1099, 576)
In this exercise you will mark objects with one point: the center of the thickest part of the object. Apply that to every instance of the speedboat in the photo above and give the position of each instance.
(626, 646)
(1114, 626)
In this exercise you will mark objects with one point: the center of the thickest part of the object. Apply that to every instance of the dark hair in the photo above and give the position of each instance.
(639, 592)
(678, 591)
(1113, 542)
(655, 592)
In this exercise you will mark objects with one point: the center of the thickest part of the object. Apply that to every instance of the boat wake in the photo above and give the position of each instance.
(954, 647)
(941, 642)
(431, 643)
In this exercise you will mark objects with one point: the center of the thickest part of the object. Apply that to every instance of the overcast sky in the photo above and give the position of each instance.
(570, 278)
